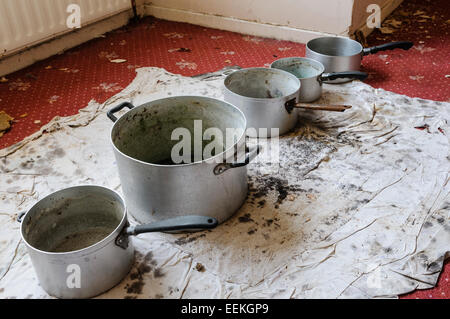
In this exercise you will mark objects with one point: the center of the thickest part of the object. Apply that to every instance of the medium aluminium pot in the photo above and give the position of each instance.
(311, 75)
(154, 186)
(261, 93)
(78, 240)
(269, 99)
(339, 54)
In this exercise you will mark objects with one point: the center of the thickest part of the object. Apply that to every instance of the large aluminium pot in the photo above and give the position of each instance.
(78, 240)
(269, 100)
(339, 54)
(154, 187)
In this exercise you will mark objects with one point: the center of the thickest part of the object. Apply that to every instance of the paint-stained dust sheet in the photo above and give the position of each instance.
(357, 206)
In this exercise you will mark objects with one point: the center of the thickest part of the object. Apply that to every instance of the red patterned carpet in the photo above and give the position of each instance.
(61, 85)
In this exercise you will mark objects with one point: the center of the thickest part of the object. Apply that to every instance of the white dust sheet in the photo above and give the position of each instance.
(358, 206)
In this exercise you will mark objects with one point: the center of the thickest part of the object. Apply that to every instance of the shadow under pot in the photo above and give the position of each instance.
(269, 99)
(183, 155)
(311, 75)
(79, 241)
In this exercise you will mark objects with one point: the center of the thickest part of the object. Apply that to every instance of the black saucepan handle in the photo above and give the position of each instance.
(174, 224)
(249, 156)
(20, 216)
(405, 45)
(117, 108)
(342, 75)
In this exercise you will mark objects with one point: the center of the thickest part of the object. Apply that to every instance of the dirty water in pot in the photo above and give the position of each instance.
(149, 134)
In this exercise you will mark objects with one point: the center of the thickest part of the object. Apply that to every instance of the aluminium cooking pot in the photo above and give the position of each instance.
(311, 75)
(339, 54)
(268, 97)
(156, 187)
(78, 239)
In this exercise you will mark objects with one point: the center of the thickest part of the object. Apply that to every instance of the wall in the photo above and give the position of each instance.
(302, 14)
(297, 20)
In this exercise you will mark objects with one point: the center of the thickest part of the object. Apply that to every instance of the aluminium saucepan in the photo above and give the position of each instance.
(311, 75)
(268, 98)
(156, 186)
(339, 54)
(79, 240)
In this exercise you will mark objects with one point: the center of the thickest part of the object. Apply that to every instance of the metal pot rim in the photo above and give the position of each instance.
(263, 99)
(208, 160)
(294, 59)
(87, 250)
(334, 56)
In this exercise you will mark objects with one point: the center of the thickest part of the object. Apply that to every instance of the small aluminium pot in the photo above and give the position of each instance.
(311, 75)
(339, 54)
(78, 240)
(269, 99)
(154, 186)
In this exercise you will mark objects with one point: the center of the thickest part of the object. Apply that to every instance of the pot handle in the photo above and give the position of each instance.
(173, 224)
(249, 156)
(117, 108)
(290, 105)
(20, 216)
(340, 75)
(405, 45)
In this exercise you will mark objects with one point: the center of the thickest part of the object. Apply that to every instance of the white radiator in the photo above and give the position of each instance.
(27, 22)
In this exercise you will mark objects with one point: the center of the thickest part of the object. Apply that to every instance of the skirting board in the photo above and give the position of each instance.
(62, 43)
(235, 25)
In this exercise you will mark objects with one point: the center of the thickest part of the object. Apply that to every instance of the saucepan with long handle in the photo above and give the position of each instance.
(311, 75)
(340, 54)
(269, 99)
(79, 240)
